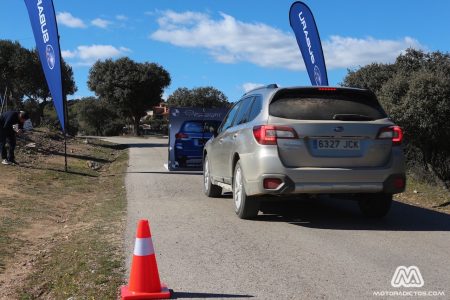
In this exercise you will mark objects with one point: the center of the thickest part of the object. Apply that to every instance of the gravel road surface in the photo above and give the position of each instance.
(319, 249)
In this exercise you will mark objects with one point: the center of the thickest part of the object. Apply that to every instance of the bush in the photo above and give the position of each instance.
(415, 91)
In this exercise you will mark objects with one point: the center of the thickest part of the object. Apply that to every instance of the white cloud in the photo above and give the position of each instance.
(68, 54)
(229, 40)
(101, 23)
(121, 18)
(88, 55)
(68, 20)
(344, 52)
(248, 86)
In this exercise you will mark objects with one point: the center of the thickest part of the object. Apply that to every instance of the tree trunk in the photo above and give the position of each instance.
(136, 125)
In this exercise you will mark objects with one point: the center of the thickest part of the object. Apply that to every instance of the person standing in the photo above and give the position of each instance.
(8, 134)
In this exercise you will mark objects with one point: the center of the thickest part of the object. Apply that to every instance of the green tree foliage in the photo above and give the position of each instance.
(96, 117)
(22, 74)
(14, 66)
(38, 88)
(207, 97)
(131, 87)
(415, 91)
(51, 121)
(87, 116)
(370, 77)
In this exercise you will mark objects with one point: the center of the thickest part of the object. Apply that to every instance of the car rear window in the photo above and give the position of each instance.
(193, 126)
(313, 104)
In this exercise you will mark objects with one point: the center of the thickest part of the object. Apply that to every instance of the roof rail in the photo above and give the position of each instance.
(269, 86)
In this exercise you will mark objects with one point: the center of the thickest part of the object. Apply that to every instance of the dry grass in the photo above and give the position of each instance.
(61, 233)
(426, 195)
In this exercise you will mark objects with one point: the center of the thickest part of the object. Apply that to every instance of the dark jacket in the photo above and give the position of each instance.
(7, 120)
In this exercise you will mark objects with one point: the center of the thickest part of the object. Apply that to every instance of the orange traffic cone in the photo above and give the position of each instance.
(144, 277)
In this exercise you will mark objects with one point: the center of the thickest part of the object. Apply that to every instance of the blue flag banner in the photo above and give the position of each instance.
(308, 40)
(45, 30)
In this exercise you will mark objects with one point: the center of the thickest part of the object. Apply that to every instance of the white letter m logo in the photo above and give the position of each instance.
(407, 277)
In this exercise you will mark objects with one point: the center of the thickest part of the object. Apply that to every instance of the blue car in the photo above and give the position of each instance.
(189, 142)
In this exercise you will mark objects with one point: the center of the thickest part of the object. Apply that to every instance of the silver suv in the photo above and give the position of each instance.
(306, 140)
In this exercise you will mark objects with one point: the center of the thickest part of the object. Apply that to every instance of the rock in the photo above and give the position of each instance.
(30, 145)
(415, 192)
(93, 165)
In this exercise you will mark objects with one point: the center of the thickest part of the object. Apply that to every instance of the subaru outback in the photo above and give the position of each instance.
(306, 140)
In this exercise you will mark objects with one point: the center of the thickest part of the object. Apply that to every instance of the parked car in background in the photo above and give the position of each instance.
(306, 140)
(190, 140)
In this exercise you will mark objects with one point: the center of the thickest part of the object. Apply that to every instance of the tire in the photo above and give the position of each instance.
(210, 189)
(375, 205)
(245, 207)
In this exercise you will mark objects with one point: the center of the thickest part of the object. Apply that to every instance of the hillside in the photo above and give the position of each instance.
(60, 233)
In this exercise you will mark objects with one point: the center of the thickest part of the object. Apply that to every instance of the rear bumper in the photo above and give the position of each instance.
(288, 186)
(324, 180)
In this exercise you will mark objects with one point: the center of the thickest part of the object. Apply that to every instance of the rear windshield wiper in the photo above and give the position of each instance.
(352, 117)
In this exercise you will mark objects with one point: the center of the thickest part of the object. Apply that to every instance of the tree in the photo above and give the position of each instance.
(38, 88)
(415, 91)
(370, 77)
(131, 87)
(14, 68)
(97, 117)
(22, 74)
(207, 97)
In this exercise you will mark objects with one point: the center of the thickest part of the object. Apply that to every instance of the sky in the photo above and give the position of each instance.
(233, 45)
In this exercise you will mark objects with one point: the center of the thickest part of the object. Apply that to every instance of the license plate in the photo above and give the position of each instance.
(336, 144)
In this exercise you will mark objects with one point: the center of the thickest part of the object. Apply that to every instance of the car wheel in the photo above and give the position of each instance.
(375, 205)
(245, 207)
(210, 189)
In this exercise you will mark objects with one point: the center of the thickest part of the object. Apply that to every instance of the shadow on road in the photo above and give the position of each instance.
(166, 172)
(186, 295)
(342, 214)
(145, 145)
(59, 171)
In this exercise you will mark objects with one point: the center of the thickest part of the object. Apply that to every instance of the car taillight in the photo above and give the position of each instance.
(399, 183)
(272, 183)
(268, 134)
(181, 135)
(394, 133)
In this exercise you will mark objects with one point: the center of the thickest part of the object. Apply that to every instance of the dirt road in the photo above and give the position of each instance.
(324, 249)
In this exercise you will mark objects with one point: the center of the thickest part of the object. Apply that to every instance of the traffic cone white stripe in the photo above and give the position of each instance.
(143, 247)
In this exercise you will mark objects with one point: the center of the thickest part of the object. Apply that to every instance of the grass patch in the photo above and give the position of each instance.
(424, 194)
(8, 244)
(71, 223)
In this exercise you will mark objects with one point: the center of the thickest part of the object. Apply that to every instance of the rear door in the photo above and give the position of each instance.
(233, 136)
(218, 153)
(336, 128)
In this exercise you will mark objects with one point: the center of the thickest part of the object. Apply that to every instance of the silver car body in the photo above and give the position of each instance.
(297, 162)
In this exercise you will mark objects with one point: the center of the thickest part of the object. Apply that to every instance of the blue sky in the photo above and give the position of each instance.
(233, 45)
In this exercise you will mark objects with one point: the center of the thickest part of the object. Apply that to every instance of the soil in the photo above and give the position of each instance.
(42, 230)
